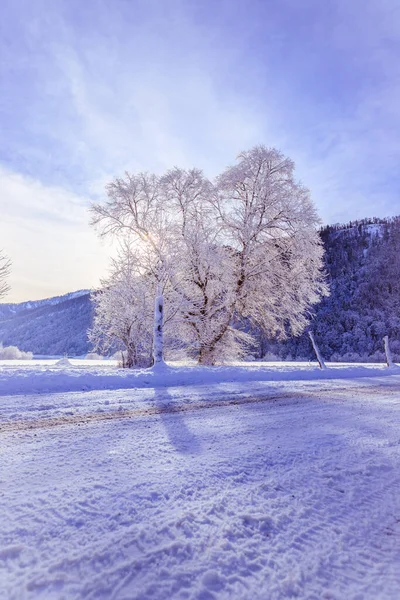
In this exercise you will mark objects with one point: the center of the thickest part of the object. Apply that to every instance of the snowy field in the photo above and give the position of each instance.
(232, 487)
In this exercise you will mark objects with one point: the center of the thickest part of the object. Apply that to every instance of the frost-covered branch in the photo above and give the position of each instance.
(5, 268)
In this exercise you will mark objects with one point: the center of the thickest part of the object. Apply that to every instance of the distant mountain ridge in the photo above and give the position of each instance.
(53, 326)
(362, 260)
(14, 308)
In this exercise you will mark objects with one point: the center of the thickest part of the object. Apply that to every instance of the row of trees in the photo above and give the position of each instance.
(223, 257)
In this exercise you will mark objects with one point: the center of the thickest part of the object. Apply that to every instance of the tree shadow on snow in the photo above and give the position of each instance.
(172, 416)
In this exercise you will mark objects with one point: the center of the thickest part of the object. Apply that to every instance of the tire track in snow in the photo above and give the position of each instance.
(85, 419)
(323, 530)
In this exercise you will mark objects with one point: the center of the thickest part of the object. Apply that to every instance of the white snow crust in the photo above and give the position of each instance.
(244, 489)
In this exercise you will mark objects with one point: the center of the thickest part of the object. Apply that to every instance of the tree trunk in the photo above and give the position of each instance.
(317, 352)
(389, 359)
(206, 357)
(158, 337)
(131, 358)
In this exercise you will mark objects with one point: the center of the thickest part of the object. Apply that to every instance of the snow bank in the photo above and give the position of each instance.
(38, 379)
(14, 353)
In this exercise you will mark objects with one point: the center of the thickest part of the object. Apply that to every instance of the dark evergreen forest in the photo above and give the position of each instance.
(362, 262)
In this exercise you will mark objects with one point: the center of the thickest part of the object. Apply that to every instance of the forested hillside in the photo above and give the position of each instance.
(363, 266)
(363, 269)
(55, 326)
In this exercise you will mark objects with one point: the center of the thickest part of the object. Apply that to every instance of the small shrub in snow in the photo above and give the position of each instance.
(63, 362)
(14, 353)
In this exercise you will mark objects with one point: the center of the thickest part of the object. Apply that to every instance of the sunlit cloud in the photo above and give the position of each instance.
(46, 233)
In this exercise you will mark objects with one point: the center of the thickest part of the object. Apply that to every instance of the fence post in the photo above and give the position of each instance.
(389, 359)
(317, 352)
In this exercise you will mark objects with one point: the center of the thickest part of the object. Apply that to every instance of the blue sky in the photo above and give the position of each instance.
(90, 89)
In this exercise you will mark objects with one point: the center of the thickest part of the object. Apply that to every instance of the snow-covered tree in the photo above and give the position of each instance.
(268, 222)
(170, 224)
(123, 313)
(243, 249)
(124, 310)
(203, 272)
(5, 266)
(136, 211)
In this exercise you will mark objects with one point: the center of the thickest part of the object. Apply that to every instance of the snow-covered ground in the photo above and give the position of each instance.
(46, 376)
(239, 488)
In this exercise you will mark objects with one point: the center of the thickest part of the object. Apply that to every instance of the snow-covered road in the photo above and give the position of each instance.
(279, 490)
